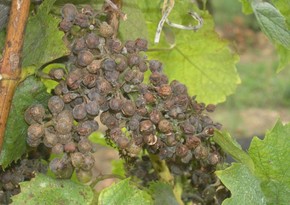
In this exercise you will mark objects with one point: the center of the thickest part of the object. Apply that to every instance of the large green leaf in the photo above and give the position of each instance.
(245, 187)
(199, 59)
(43, 40)
(269, 181)
(162, 194)
(48, 191)
(124, 193)
(30, 91)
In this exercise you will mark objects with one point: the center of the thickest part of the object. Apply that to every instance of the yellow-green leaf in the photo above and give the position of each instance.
(201, 60)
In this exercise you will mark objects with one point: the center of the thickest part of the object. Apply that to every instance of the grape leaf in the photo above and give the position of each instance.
(271, 157)
(30, 91)
(45, 190)
(43, 40)
(134, 26)
(162, 194)
(124, 193)
(233, 148)
(199, 59)
(269, 181)
(245, 187)
(272, 22)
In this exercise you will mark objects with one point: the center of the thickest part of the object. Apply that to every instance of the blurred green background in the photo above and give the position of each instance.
(264, 95)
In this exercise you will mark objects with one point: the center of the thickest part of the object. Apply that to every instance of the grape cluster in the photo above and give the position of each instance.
(24, 170)
(105, 79)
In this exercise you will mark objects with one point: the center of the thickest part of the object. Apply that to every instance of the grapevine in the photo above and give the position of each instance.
(107, 85)
(147, 121)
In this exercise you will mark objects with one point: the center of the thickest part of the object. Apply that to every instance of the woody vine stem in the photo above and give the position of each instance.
(10, 67)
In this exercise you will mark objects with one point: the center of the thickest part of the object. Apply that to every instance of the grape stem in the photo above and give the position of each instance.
(163, 171)
(177, 189)
(10, 68)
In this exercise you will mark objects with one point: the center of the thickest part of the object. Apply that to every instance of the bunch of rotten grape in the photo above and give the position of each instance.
(155, 119)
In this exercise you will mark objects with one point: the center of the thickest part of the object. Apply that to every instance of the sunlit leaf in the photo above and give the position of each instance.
(201, 60)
